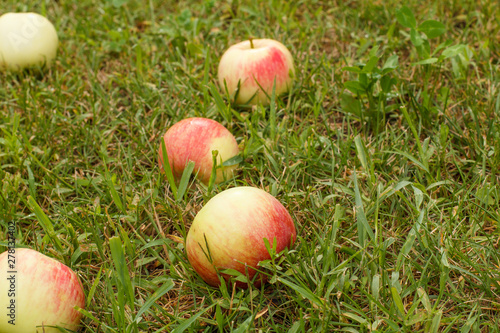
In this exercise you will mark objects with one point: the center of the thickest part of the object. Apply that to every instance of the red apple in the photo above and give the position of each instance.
(194, 139)
(234, 224)
(37, 290)
(256, 64)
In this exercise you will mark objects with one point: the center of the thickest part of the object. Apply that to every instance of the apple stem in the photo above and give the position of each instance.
(251, 43)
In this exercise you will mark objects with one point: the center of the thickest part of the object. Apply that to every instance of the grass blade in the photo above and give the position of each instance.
(167, 169)
(245, 326)
(45, 222)
(166, 287)
(114, 194)
(186, 174)
(398, 302)
(362, 223)
(304, 291)
(118, 256)
(188, 322)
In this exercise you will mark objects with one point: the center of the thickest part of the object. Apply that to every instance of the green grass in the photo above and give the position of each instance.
(390, 176)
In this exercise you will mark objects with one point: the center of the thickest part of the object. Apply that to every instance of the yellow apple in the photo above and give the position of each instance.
(26, 40)
(229, 232)
(36, 290)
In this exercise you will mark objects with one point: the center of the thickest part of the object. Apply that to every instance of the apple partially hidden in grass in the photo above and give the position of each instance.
(229, 232)
(26, 40)
(36, 290)
(250, 68)
(194, 139)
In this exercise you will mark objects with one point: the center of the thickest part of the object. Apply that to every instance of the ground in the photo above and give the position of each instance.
(386, 153)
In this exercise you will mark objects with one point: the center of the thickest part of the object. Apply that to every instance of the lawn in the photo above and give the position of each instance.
(385, 152)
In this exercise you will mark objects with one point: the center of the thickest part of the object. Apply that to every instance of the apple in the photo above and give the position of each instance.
(26, 40)
(194, 139)
(256, 64)
(229, 232)
(37, 290)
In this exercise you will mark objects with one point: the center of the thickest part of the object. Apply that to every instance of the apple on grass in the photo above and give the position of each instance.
(37, 291)
(229, 232)
(26, 40)
(251, 68)
(194, 139)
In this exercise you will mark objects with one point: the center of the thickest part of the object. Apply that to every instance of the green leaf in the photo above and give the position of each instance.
(432, 28)
(424, 50)
(415, 38)
(406, 18)
(390, 64)
(386, 83)
(370, 65)
(350, 104)
(425, 61)
(355, 87)
(352, 69)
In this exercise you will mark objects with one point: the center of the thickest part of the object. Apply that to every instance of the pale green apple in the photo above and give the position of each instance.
(26, 40)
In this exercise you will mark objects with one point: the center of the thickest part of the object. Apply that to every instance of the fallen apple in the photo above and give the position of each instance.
(26, 40)
(194, 139)
(251, 68)
(36, 290)
(229, 232)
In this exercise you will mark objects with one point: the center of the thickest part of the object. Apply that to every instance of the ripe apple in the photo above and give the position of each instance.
(233, 224)
(256, 64)
(42, 291)
(194, 139)
(26, 40)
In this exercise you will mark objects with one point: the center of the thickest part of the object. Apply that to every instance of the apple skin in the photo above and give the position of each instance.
(260, 65)
(26, 40)
(234, 224)
(194, 139)
(46, 292)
